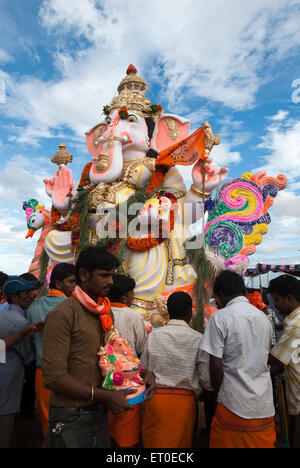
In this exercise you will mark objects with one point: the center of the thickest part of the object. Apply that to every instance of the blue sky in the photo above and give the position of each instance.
(226, 62)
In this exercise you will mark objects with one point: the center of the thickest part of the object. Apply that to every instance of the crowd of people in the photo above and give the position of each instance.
(50, 366)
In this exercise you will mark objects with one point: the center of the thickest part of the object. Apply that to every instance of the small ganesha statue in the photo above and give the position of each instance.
(120, 368)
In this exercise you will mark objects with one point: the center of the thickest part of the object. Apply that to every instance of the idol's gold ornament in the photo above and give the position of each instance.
(62, 157)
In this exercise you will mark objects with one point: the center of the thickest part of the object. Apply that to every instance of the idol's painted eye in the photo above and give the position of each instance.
(132, 118)
(108, 120)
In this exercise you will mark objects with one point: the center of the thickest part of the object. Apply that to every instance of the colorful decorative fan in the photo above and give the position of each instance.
(240, 218)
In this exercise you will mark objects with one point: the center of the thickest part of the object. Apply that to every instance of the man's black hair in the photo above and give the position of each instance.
(285, 285)
(3, 278)
(265, 299)
(60, 272)
(179, 305)
(230, 284)
(122, 285)
(95, 258)
(31, 277)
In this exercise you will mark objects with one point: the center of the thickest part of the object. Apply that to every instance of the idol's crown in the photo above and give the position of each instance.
(132, 90)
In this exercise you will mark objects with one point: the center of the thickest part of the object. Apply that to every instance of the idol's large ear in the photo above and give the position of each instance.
(169, 129)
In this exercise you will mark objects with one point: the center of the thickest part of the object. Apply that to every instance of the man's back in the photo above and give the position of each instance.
(132, 326)
(172, 354)
(241, 335)
(37, 312)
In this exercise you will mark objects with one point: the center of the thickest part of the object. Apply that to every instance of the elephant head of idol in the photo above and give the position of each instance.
(133, 129)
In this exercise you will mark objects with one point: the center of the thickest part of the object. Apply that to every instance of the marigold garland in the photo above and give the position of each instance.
(85, 176)
(55, 221)
(154, 108)
(157, 179)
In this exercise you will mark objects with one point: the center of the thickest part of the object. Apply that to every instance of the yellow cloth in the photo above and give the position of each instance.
(169, 419)
(42, 401)
(287, 351)
(125, 428)
(231, 431)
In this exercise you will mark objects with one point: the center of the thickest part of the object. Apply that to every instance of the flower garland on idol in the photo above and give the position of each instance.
(74, 220)
(146, 243)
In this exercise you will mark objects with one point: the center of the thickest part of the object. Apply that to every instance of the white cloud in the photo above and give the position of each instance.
(16, 253)
(195, 50)
(282, 140)
(281, 244)
(4, 56)
(223, 156)
(281, 115)
(20, 180)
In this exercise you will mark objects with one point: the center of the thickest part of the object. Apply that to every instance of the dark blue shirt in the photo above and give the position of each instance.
(12, 372)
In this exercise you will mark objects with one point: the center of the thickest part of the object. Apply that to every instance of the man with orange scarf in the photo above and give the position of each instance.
(238, 339)
(62, 283)
(73, 333)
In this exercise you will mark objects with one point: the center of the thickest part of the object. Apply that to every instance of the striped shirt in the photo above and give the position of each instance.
(173, 354)
(287, 351)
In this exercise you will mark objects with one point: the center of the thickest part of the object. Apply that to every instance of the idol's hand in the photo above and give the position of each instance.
(61, 188)
(214, 175)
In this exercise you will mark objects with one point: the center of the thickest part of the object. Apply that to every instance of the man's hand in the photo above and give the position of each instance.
(149, 380)
(33, 329)
(117, 403)
(216, 373)
(30, 330)
(207, 397)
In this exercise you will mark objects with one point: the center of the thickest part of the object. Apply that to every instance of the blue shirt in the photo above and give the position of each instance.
(37, 312)
(12, 372)
(3, 307)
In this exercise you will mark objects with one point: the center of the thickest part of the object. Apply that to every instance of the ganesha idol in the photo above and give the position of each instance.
(120, 368)
(134, 152)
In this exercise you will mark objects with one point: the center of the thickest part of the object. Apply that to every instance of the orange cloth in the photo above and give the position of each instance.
(55, 292)
(256, 300)
(231, 431)
(125, 428)
(169, 419)
(185, 152)
(42, 401)
(100, 308)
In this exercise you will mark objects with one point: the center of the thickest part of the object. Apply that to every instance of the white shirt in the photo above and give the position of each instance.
(131, 326)
(2, 352)
(172, 353)
(241, 335)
